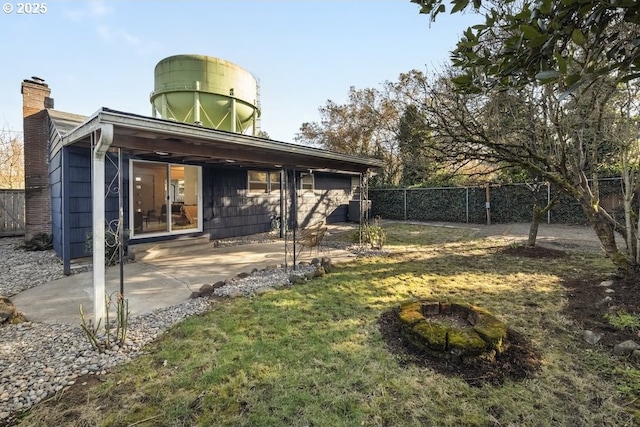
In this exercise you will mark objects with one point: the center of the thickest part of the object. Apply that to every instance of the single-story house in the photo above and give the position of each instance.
(167, 179)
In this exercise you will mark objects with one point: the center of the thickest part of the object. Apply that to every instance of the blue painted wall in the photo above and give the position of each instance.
(228, 209)
(76, 168)
(55, 180)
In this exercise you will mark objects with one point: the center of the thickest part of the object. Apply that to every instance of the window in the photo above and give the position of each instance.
(274, 181)
(355, 184)
(263, 182)
(306, 183)
(258, 182)
(165, 198)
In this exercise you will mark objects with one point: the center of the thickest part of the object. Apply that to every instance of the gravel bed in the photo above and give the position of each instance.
(39, 360)
(22, 270)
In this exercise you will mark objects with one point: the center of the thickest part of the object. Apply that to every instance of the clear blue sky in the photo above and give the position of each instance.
(102, 53)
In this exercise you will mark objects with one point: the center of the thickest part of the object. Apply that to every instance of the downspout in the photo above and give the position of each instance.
(97, 182)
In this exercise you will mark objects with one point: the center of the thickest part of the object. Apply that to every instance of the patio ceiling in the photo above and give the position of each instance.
(165, 140)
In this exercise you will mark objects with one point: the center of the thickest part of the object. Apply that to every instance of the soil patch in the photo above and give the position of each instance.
(535, 252)
(518, 362)
(589, 302)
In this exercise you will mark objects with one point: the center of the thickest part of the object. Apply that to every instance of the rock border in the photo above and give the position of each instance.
(247, 284)
(476, 333)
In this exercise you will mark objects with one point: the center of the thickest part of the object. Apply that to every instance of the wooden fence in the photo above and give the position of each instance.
(11, 213)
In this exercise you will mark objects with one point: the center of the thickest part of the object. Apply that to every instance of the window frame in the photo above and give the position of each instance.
(270, 185)
(307, 191)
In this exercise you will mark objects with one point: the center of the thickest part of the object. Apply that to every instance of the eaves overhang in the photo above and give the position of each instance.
(175, 140)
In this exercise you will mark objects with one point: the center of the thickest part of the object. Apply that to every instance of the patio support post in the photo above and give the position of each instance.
(283, 195)
(97, 181)
(294, 192)
(121, 245)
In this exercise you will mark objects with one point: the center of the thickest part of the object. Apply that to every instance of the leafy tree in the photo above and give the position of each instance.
(11, 160)
(572, 41)
(365, 125)
(580, 50)
(563, 140)
(263, 134)
(412, 132)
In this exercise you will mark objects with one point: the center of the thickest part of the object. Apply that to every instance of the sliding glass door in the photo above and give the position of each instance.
(165, 198)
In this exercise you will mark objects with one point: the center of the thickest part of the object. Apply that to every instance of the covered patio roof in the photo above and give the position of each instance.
(157, 139)
(166, 140)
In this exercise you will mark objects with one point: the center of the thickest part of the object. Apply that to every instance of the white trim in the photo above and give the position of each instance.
(270, 191)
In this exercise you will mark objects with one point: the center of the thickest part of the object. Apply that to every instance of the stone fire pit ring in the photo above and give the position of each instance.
(453, 330)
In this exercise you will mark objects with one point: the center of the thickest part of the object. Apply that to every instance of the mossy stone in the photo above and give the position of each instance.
(483, 335)
(492, 330)
(433, 333)
(411, 314)
(466, 342)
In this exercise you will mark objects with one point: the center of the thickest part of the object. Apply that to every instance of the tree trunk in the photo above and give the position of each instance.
(533, 228)
(606, 234)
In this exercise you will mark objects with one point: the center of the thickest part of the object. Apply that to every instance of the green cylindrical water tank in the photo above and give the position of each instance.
(208, 91)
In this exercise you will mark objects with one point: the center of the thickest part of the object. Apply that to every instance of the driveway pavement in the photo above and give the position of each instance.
(566, 236)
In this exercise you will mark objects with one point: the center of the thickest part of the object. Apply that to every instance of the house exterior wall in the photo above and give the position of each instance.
(56, 185)
(71, 197)
(329, 202)
(228, 208)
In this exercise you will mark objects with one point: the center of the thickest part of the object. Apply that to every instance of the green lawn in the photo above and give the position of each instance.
(313, 355)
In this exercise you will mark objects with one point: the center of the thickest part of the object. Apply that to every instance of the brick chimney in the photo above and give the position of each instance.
(35, 102)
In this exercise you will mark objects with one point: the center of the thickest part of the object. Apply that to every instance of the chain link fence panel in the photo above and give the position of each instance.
(508, 203)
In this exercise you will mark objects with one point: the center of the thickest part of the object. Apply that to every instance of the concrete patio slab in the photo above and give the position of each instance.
(156, 283)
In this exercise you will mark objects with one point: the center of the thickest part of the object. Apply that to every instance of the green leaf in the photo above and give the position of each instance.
(529, 32)
(459, 5)
(547, 76)
(523, 15)
(562, 63)
(577, 37)
(462, 80)
(629, 77)
(571, 79)
(545, 7)
(538, 41)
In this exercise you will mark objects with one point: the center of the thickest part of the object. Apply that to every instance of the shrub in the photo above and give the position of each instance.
(39, 242)
(374, 234)
(110, 246)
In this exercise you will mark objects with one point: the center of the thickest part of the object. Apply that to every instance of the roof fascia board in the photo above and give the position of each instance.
(181, 130)
(83, 130)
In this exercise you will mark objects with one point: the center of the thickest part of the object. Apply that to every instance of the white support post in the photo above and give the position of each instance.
(97, 182)
(98, 238)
